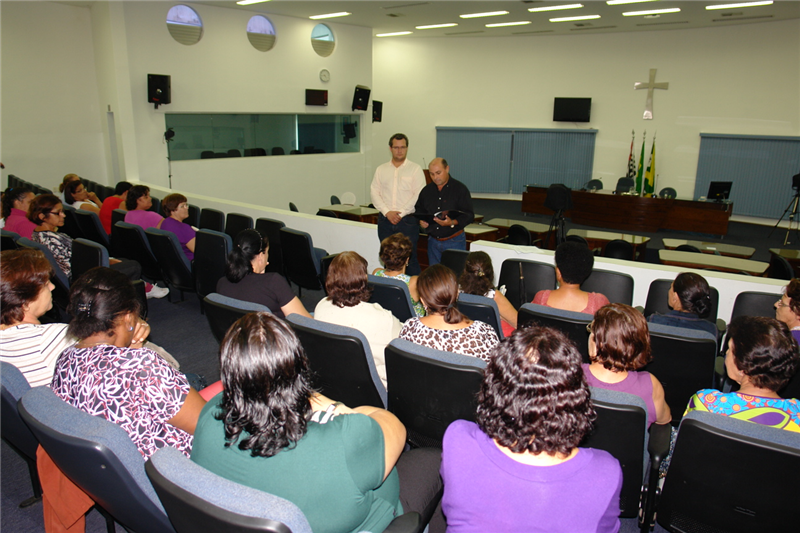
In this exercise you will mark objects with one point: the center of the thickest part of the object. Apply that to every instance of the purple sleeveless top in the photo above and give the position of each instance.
(638, 383)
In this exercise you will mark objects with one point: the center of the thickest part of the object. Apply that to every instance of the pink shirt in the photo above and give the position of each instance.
(145, 219)
(596, 301)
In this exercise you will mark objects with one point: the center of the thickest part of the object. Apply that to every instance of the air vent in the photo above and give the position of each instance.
(743, 18)
(395, 15)
(415, 4)
(739, 14)
(664, 23)
(464, 32)
(531, 32)
(582, 24)
(594, 28)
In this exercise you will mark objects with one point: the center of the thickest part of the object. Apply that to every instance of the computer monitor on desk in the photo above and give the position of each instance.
(719, 191)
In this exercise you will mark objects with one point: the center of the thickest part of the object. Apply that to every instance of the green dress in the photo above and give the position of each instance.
(334, 474)
(418, 308)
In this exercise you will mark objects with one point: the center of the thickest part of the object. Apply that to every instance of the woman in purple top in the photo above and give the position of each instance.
(176, 210)
(619, 344)
(787, 309)
(16, 201)
(138, 202)
(518, 467)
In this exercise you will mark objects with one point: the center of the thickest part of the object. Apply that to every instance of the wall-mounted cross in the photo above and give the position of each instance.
(648, 106)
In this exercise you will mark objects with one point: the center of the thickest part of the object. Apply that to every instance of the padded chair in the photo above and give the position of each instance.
(657, 299)
(174, 264)
(271, 228)
(156, 207)
(325, 266)
(624, 185)
(8, 239)
(87, 254)
(234, 153)
(597, 185)
(91, 227)
(731, 475)
(117, 215)
(683, 361)
(749, 303)
(572, 324)
(327, 213)
(99, 457)
(341, 362)
(615, 286)
(523, 279)
(301, 260)
(196, 499)
(578, 239)
(132, 239)
(621, 430)
(194, 216)
(212, 219)
(619, 249)
(780, 268)
(71, 226)
(58, 277)
(668, 192)
(253, 152)
(278, 150)
(688, 248)
(455, 259)
(236, 222)
(293, 207)
(518, 235)
(207, 154)
(211, 249)
(392, 294)
(428, 389)
(222, 312)
(335, 200)
(483, 309)
(14, 431)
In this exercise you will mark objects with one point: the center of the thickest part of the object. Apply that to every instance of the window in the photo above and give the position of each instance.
(261, 33)
(322, 40)
(184, 24)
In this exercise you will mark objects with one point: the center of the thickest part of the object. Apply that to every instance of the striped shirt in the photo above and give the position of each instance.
(34, 349)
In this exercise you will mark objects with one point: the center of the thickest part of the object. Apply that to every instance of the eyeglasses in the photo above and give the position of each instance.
(780, 304)
(589, 327)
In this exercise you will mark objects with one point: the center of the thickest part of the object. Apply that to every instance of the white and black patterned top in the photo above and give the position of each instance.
(60, 245)
(132, 387)
(478, 339)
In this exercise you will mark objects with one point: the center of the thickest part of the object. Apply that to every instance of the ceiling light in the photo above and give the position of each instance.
(330, 15)
(393, 34)
(651, 12)
(623, 2)
(434, 26)
(500, 24)
(745, 4)
(487, 14)
(248, 2)
(567, 19)
(555, 8)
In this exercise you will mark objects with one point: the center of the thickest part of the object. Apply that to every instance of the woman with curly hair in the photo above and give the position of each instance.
(518, 466)
(762, 357)
(619, 345)
(395, 253)
(478, 279)
(787, 308)
(690, 299)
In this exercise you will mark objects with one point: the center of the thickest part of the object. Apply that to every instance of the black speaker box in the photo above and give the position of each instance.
(316, 97)
(361, 98)
(158, 89)
(377, 111)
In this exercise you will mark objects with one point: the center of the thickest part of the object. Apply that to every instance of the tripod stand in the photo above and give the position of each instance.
(793, 204)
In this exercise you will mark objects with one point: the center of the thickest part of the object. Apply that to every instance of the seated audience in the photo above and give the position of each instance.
(444, 327)
(15, 203)
(574, 262)
(25, 295)
(619, 345)
(348, 305)
(787, 308)
(690, 301)
(76, 195)
(269, 430)
(137, 203)
(246, 277)
(478, 279)
(66, 181)
(395, 253)
(109, 373)
(518, 466)
(115, 201)
(762, 357)
(176, 210)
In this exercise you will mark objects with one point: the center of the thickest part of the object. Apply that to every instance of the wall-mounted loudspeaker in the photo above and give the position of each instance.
(361, 98)
(377, 111)
(316, 97)
(158, 89)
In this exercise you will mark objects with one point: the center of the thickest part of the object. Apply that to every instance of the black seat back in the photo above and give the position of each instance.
(657, 300)
(616, 286)
(523, 279)
(212, 219)
(572, 324)
(271, 229)
(236, 222)
(91, 227)
(392, 294)
(211, 249)
(134, 244)
(455, 259)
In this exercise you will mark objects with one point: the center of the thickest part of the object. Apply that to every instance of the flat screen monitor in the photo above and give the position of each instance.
(719, 190)
(572, 109)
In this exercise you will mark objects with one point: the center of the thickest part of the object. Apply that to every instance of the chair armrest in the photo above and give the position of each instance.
(410, 522)
(658, 446)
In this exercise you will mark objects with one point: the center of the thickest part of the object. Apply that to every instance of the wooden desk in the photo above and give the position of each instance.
(599, 240)
(537, 231)
(634, 213)
(730, 250)
(793, 256)
(355, 213)
(712, 262)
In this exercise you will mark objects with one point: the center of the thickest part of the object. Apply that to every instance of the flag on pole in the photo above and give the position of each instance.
(639, 171)
(631, 160)
(650, 175)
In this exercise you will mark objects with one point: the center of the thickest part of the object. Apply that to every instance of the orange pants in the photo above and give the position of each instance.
(64, 504)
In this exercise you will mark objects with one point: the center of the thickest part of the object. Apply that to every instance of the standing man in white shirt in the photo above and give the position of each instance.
(394, 193)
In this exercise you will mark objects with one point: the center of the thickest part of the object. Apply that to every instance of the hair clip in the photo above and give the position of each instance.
(84, 308)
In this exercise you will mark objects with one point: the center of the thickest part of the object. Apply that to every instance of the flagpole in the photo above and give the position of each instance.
(640, 172)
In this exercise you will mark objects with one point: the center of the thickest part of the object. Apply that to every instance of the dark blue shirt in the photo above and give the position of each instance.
(680, 319)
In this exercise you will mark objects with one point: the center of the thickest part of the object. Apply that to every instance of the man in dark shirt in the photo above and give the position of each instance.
(441, 197)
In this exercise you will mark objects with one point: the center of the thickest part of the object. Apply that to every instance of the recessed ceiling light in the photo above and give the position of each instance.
(329, 15)
(623, 2)
(745, 4)
(434, 26)
(500, 24)
(555, 8)
(487, 14)
(394, 34)
(567, 19)
(651, 12)
(248, 2)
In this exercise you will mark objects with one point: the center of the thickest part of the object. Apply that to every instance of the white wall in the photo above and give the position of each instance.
(741, 79)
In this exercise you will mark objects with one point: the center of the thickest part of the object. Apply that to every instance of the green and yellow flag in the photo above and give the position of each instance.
(639, 171)
(650, 175)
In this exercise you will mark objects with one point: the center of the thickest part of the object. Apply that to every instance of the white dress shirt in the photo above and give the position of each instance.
(397, 188)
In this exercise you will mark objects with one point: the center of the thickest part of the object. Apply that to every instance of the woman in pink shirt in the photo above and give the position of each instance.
(138, 202)
(16, 201)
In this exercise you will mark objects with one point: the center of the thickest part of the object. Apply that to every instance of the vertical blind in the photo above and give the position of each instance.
(503, 160)
(760, 167)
